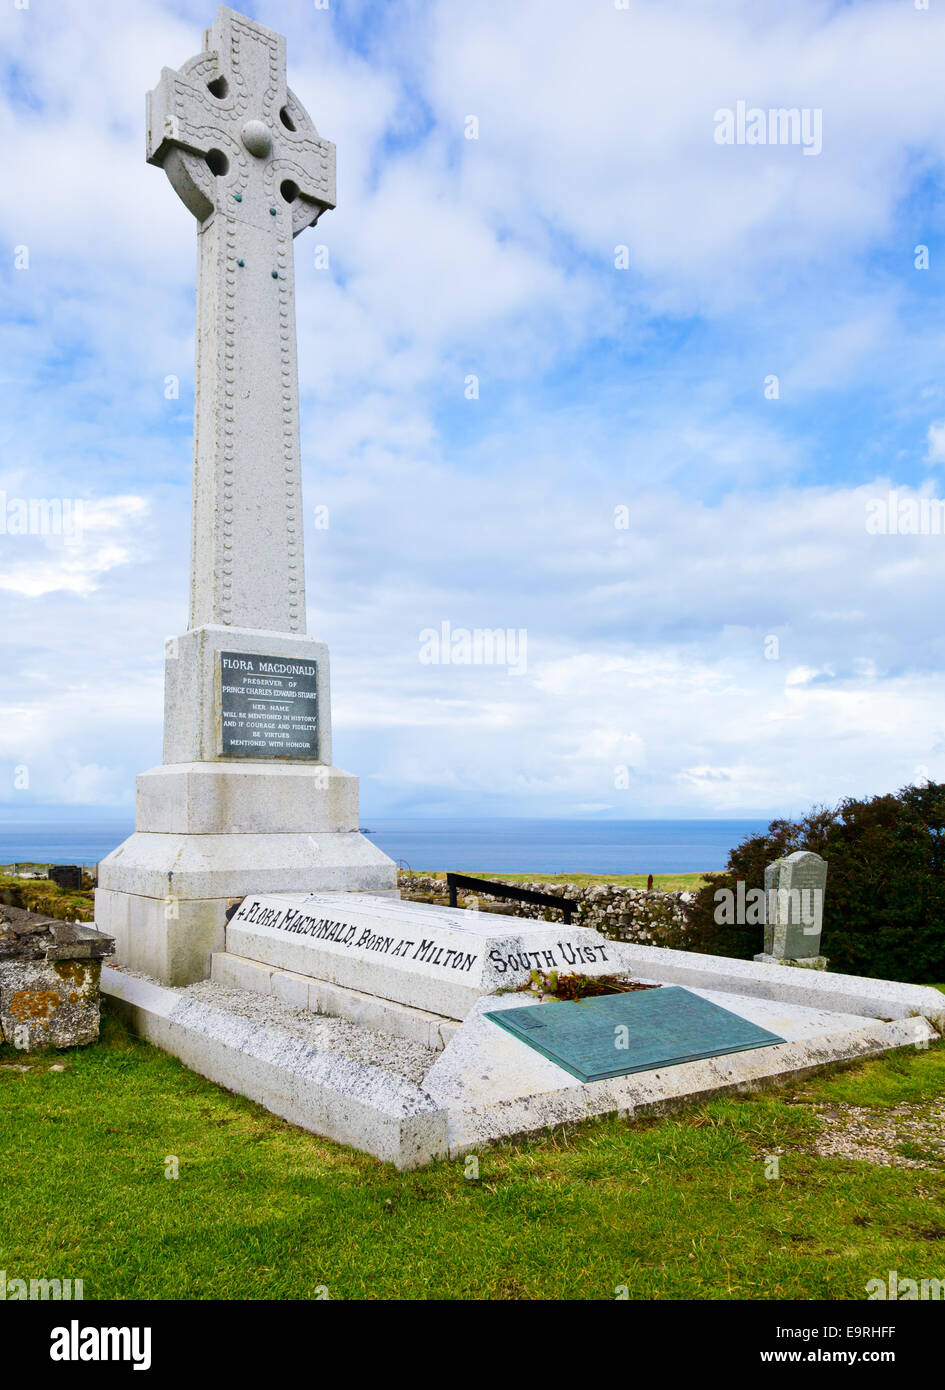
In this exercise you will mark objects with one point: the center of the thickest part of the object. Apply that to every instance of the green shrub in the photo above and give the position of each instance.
(884, 906)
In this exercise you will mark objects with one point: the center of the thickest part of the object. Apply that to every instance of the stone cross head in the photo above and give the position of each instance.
(231, 135)
(243, 154)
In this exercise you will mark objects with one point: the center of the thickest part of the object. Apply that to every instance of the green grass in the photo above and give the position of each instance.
(668, 882)
(895, 1081)
(671, 1208)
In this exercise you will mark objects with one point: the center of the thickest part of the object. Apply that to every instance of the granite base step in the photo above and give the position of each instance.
(338, 1001)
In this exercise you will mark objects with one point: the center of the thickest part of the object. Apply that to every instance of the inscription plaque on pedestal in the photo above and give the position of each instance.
(268, 706)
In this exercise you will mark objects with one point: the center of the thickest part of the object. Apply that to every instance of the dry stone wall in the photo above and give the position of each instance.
(621, 913)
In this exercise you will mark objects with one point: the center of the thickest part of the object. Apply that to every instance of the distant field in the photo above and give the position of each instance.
(39, 895)
(42, 896)
(668, 882)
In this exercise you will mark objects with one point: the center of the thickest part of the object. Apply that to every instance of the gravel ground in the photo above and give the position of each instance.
(855, 1131)
(403, 1058)
(877, 1136)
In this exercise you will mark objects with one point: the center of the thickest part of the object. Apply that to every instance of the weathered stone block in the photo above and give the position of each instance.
(49, 981)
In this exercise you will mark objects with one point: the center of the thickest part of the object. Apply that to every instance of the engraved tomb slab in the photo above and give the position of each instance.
(438, 959)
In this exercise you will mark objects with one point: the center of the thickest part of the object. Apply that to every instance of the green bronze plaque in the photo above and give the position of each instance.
(616, 1034)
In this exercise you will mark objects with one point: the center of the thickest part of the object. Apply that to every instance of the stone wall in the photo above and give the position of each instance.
(653, 918)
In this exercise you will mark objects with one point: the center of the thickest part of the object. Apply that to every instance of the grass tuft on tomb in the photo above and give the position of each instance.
(678, 1207)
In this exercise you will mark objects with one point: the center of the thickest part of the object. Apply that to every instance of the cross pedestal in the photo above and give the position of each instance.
(247, 799)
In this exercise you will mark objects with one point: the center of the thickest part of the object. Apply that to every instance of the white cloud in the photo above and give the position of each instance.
(936, 440)
(599, 389)
(74, 557)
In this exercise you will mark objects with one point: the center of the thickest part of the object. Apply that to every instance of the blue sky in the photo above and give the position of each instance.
(652, 685)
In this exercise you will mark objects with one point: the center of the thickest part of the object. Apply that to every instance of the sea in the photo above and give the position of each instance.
(466, 846)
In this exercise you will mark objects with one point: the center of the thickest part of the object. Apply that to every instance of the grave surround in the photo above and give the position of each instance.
(486, 1085)
(319, 926)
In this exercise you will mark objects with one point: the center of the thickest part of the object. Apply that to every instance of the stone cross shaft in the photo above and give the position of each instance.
(244, 156)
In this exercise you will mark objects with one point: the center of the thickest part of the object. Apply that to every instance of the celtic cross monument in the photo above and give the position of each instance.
(246, 800)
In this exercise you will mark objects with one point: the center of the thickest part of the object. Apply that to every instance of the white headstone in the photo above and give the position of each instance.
(247, 799)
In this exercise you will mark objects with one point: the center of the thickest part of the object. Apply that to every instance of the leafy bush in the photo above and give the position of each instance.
(884, 905)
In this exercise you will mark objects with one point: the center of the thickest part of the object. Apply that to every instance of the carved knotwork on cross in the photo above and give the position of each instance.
(231, 135)
(244, 156)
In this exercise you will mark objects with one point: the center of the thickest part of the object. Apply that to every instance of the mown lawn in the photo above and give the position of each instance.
(671, 1208)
